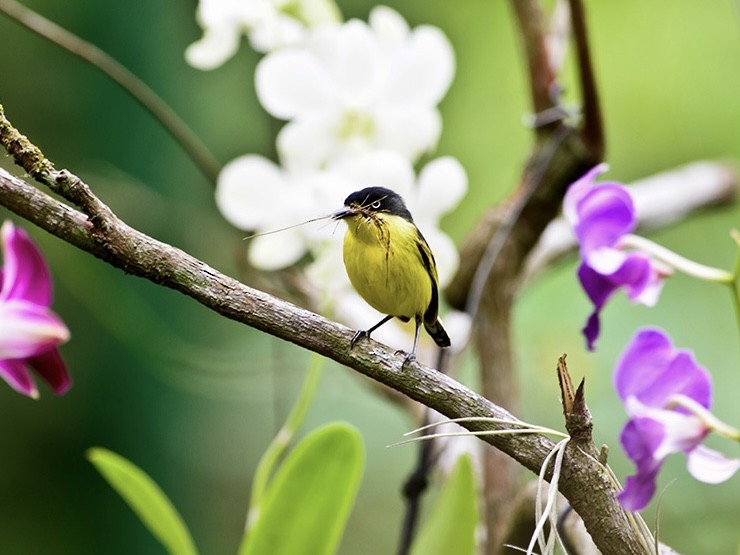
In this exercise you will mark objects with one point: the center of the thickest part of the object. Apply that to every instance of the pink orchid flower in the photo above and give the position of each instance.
(29, 331)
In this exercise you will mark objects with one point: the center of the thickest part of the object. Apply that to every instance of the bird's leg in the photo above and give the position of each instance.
(366, 333)
(412, 355)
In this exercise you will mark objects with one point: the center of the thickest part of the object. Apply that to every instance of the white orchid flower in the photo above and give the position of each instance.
(357, 87)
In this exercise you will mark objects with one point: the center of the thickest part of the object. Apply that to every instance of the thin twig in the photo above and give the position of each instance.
(502, 234)
(140, 91)
(418, 479)
(413, 490)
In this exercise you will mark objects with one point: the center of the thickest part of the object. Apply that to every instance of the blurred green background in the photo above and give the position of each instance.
(194, 399)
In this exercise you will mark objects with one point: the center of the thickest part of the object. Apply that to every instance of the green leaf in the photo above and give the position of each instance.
(146, 499)
(308, 502)
(285, 435)
(451, 526)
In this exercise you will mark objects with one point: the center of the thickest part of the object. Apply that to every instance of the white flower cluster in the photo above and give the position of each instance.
(360, 101)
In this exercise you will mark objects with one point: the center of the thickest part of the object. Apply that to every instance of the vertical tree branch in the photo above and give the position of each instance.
(533, 34)
(493, 256)
(592, 132)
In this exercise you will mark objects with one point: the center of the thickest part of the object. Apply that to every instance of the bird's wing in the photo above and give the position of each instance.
(427, 258)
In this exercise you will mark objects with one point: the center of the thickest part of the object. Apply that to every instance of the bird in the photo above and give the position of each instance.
(390, 264)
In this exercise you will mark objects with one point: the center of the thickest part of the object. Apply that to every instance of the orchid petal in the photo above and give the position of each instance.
(578, 190)
(25, 274)
(328, 270)
(638, 491)
(710, 466)
(389, 26)
(16, 375)
(215, 47)
(459, 327)
(292, 82)
(276, 31)
(683, 376)
(604, 215)
(411, 131)
(591, 330)
(51, 368)
(636, 274)
(642, 362)
(445, 254)
(423, 72)
(27, 329)
(305, 144)
(641, 438)
(442, 184)
(267, 24)
(277, 251)
(597, 287)
(648, 293)
(605, 260)
(354, 61)
(680, 432)
(245, 194)
(651, 370)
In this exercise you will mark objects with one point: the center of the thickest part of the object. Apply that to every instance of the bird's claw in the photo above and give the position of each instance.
(359, 335)
(409, 357)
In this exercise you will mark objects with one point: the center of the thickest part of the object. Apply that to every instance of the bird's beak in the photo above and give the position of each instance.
(345, 212)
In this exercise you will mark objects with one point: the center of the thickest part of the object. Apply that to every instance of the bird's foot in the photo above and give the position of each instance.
(409, 357)
(359, 335)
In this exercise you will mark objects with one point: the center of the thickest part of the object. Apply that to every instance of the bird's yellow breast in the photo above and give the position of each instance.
(383, 262)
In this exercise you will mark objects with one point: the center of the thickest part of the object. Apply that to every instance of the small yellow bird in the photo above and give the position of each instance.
(390, 263)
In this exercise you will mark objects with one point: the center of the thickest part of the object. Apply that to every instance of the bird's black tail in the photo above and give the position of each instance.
(438, 333)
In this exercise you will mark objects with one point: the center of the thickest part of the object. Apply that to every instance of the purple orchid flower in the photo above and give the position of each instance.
(667, 395)
(600, 215)
(29, 331)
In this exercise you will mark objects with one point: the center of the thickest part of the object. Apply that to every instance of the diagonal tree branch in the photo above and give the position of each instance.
(138, 254)
(96, 230)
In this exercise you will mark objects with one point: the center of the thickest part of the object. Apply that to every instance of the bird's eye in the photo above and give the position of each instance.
(375, 205)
